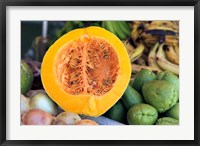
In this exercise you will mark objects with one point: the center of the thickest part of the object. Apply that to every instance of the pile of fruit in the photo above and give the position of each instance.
(140, 85)
(149, 99)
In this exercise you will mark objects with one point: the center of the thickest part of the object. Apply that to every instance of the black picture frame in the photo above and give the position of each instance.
(5, 3)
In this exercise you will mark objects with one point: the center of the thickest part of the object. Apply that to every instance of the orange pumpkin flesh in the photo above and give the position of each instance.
(86, 71)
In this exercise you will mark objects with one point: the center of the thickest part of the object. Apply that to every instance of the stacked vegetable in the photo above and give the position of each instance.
(152, 94)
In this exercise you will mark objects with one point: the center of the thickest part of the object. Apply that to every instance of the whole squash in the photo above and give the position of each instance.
(86, 71)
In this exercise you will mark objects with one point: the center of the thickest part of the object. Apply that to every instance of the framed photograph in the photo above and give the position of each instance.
(99, 72)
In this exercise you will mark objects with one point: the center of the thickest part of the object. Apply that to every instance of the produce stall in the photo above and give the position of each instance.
(100, 73)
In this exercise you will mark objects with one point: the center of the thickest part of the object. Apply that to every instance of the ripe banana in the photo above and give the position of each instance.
(134, 53)
(134, 35)
(136, 68)
(137, 52)
(152, 57)
(149, 40)
(130, 49)
(164, 63)
(137, 31)
(171, 55)
(164, 23)
(141, 60)
(176, 49)
(171, 40)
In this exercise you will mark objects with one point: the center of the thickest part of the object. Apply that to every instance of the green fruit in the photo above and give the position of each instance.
(173, 112)
(117, 112)
(131, 97)
(26, 77)
(43, 101)
(142, 114)
(168, 76)
(142, 77)
(131, 82)
(160, 94)
(167, 121)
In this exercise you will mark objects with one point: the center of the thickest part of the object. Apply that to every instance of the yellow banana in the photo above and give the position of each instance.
(129, 47)
(134, 53)
(136, 68)
(164, 63)
(176, 49)
(171, 55)
(137, 52)
(141, 61)
(171, 40)
(138, 27)
(165, 23)
(161, 28)
(149, 39)
(134, 34)
(152, 57)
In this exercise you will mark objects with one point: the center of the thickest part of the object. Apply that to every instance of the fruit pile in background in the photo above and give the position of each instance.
(152, 96)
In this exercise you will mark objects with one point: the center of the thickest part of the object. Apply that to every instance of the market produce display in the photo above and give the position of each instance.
(105, 73)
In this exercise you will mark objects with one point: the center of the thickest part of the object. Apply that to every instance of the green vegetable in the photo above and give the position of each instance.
(131, 97)
(26, 77)
(167, 121)
(70, 25)
(173, 112)
(142, 114)
(160, 94)
(168, 76)
(117, 112)
(142, 77)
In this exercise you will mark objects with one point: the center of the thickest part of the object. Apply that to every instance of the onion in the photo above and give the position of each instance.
(37, 117)
(24, 104)
(59, 122)
(86, 122)
(43, 101)
(69, 118)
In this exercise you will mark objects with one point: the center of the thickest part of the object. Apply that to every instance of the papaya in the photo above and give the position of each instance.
(86, 71)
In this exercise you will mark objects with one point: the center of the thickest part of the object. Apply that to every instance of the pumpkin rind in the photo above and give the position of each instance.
(86, 104)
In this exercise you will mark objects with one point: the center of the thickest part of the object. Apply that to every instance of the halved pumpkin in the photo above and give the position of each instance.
(86, 71)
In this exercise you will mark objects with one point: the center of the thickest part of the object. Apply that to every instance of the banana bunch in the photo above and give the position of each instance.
(149, 32)
(166, 30)
(138, 28)
(163, 25)
(159, 58)
(120, 28)
(161, 42)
